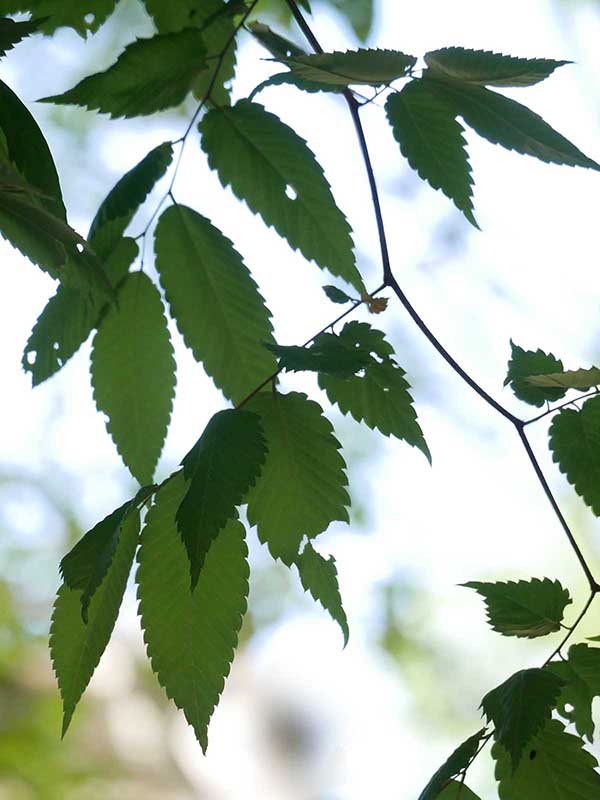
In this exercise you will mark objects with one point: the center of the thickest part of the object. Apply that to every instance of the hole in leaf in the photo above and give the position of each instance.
(89, 19)
(79, 247)
(56, 346)
(569, 708)
(291, 192)
(31, 357)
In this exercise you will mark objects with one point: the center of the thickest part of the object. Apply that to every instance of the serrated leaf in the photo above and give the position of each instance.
(127, 195)
(368, 67)
(319, 577)
(432, 141)
(336, 295)
(190, 637)
(214, 301)
(581, 677)
(359, 14)
(76, 647)
(11, 32)
(456, 790)
(569, 379)
(557, 767)
(328, 354)
(302, 486)
(291, 79)
(28, 150)
(150, 75)
(524, 608)
(133, 374)
(458, 761)
(520, 706)
(380, 397)
(223, 464)
(85, 18)
(264, 161)
(219, 34)
(575, 446)
(69, 317)
(503, 121)
(277, 45)
(488, 68)
(525, 363)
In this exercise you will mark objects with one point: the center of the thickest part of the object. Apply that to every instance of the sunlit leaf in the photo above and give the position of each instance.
(487, 68)
(525, 363)
(319, 577)
(569, 379)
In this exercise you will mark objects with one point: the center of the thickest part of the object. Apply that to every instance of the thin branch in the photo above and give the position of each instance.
(566, 638)
(552, 409)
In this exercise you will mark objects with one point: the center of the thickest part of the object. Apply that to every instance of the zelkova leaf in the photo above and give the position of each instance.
(319, 577)
(457, 790)
(328, 354)
(133, 374)
(525, 363)
(11, 32)
(28, 150)
(292, 79)
(336, 295)
(302, 486)
(85, 18)
(458, 761)
(220, 468)
(380, 397)
(370, 67)
(432, 141)
(149, 75)
(76, 647)
(556, 767)
(359, 14)
(580, 674)
(503, 121)
(127, 195)
(569, 379)
(520, 706)
(524, 608)
(190, 637)
(69, 317)
(575, 445)
(487, 68)
(219, 34)
(269, 166)
(277, 45)
(214, 301)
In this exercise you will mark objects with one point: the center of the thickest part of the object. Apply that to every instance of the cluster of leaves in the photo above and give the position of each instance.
(272, 453)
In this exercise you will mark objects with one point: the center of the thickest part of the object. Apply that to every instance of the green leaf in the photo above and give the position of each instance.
(523, 608)
(69, 317)
(277, 45)
(525, 363)
(328, 354)
(84, 18)
(456, 763)
(265, 161)
(149, 75)
(291, 79)
(569, 379)
(581, 675)
(76, 647)
(214, 301)
(219, 34)
(319, 577)
(455, 790)
(28, 150)
(575, 446)
(380, 397)
(190, 637)
(503, 121)
(520, 706)
(133, 374)
(302, 487)
(359, 14)
(223, 464)
(557, 767)
(121, 203)
(11, 33)
(369, 67)
(488, 68)
(336, 295)
(432, 141)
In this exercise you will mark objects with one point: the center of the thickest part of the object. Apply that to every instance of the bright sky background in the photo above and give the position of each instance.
(531, 274)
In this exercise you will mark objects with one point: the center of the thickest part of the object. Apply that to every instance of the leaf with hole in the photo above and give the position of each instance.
(84, 18)
(581, 676)
(328, 354)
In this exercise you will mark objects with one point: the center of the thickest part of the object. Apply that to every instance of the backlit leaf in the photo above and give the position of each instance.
(380, 397)
(218, 32)
(488, 68)
(575, 445)
(269, 166)
(149, 75)
(214, 301)
(220, 468)
(319, 577)
(11, 32)
(292, 79)
(133, 374)
(302, 486)
(569, 379)
(456, 763)
(370, 67)
(190, 636)
(336, 295)
(359, 14)
(581, 677)
(524, 608)
(432, 141)
(83, 17)
(525, 363)
(328, 354)
(76, 647)
(277, 45)
(457, 790)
